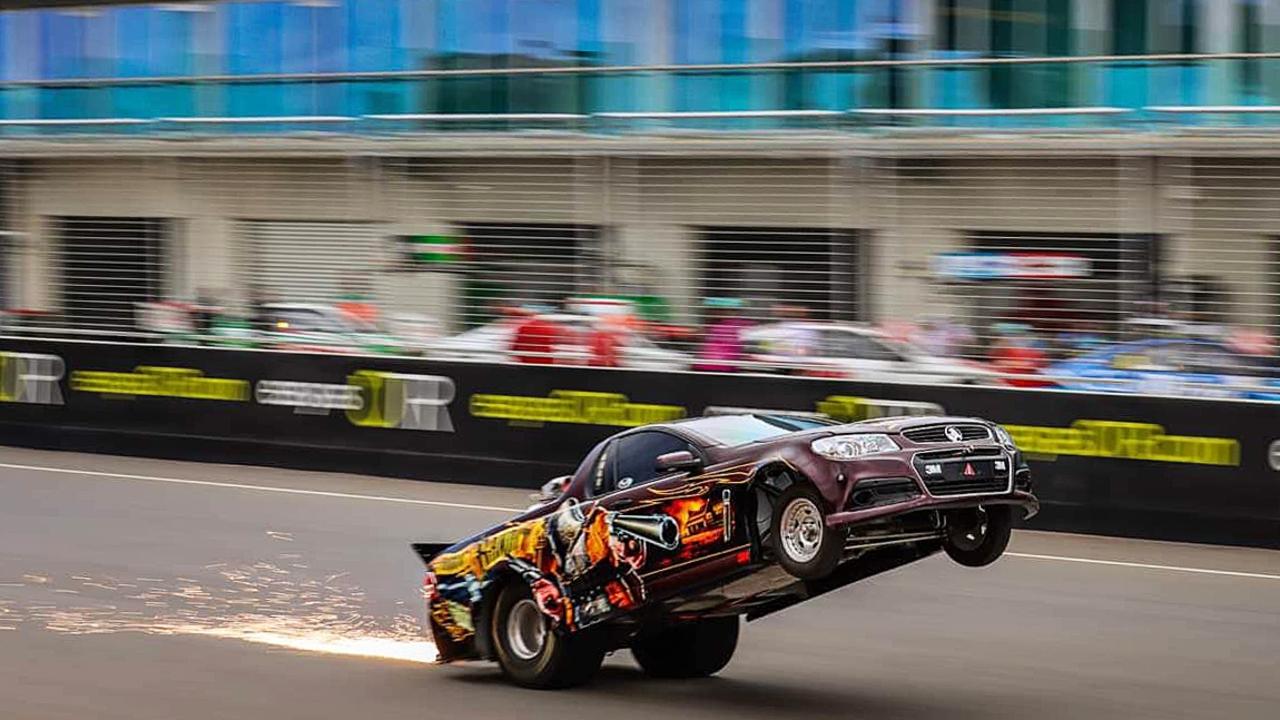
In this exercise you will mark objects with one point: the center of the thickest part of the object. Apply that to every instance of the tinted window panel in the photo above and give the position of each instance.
(638, 457)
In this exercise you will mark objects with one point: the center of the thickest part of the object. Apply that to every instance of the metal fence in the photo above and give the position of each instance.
(1132, 272)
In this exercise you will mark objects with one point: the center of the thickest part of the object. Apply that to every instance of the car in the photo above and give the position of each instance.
(1186, 367)
(667, 534)
(317, 327)
(495, 341)
(846, 350)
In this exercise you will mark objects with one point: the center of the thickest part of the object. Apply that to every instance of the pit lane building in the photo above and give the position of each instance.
(1055, 162)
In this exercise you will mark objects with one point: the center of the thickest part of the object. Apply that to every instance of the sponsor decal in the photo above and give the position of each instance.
(1010, 266)
(404, 402)
(1273, 455)
(305, 397)
(159, 381)
(583, 562)
(31, 378)
(1125, 440)
(573, 406)
(846, 408)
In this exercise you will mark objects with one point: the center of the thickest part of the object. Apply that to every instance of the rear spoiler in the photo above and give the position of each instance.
(428, 551)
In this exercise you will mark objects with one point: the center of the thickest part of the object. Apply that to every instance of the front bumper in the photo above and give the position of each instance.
(1019, 498)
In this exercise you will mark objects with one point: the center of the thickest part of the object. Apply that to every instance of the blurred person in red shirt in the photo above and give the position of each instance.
(605, 341)
(1015, 353)
(536, 340)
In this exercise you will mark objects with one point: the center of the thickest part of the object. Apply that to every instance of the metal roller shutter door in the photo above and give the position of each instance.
(311, 261)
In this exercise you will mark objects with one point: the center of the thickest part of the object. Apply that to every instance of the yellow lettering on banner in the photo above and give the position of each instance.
(373, 388)
(1125, 440)
(8, 389)
(573, 406)
(848, 408)
(163, 382)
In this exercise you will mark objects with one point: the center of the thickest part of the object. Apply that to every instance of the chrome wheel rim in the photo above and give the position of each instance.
(526, 630)
(801, 530)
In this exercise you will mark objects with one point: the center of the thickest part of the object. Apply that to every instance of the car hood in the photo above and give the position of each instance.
(889, 425)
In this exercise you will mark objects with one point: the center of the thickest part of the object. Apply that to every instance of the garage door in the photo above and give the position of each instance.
(107, 265)
(311, 261)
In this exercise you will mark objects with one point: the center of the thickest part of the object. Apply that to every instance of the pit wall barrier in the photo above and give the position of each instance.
(1178, 469)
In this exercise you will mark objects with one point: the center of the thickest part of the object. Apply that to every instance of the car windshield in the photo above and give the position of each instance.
(742, 429)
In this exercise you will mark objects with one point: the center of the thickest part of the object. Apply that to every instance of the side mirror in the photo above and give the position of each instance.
(678, 460)
(552, 489)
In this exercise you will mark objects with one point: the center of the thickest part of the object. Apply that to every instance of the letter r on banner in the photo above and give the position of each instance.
(407, 402)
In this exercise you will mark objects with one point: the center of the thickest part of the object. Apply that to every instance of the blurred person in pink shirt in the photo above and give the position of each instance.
(722, 349)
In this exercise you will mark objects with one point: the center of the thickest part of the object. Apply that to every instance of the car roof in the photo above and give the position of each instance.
(322, 307)
(819, 325)
(694, 428)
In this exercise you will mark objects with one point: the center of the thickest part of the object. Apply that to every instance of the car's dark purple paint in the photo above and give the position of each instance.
(721, 563)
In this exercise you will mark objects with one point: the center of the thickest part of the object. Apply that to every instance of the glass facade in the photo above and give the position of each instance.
(44, 51)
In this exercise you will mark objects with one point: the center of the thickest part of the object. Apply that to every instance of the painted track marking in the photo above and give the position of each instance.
(261, 488)
(1145, 566)
(495, 508)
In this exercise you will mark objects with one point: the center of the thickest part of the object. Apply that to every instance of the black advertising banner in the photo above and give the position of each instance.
(1196, 470)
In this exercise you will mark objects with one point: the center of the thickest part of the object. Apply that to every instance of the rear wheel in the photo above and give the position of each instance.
(978, 536)
(805, 546)
(530, 653)
(688, 650)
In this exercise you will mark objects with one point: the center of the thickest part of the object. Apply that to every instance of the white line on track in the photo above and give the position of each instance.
(495, 508)
(1145, 566)
(261, 488)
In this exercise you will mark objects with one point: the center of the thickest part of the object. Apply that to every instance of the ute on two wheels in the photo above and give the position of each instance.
(667, 533)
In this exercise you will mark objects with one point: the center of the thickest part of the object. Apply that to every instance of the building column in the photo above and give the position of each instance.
(923, 17)
(1221, 24)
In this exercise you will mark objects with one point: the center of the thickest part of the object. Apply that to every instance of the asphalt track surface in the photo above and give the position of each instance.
(144, 589)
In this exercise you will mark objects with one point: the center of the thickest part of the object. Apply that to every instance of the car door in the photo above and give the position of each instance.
(864, 358)
(670, 527)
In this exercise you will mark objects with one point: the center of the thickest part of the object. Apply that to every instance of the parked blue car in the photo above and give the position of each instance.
(1169, 366)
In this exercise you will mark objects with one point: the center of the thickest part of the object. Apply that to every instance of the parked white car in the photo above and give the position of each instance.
(493, 343)
(854, 352)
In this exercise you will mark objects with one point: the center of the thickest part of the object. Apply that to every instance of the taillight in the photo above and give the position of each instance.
(429, 587)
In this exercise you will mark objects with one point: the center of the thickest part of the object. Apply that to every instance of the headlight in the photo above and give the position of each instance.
(848, 447)
(1005, 438)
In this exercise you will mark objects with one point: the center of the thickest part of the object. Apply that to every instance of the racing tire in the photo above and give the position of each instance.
(688, 650)
(531, 653)
(804, 545)
(978, 537)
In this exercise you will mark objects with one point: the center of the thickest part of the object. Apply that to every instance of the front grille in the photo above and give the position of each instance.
(938, 433)
(954, 473)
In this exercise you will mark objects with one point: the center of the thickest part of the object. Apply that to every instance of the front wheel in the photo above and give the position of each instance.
(688, 650)
(531, 653)
(805, 546)
(978, 536)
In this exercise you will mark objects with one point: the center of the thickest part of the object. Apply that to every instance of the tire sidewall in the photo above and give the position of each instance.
(688, 650)
(524, 672)
(994, 542)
